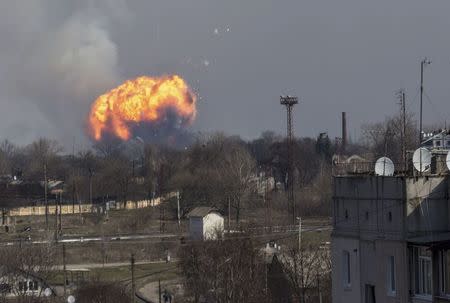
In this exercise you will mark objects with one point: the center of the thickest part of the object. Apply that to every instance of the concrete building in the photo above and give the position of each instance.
(437, 140)
(205, 223)
(391, 239)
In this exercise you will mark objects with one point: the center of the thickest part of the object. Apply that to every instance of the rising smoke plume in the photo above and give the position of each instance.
(53, 61)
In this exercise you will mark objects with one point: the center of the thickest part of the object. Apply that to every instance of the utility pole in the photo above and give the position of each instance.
(299, 234)
(56, 218)
(178, 210)
(60, 213)
(91, 173)
(344, 133)
(289, 102)
(229, 215)
(318, 289)
(159, 290)
(45, 195)
(402, 96)
(64, 268)
(73, 176)
(424, 62)
(133, 285)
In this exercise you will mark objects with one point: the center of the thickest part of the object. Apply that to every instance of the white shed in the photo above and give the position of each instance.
(205, 223)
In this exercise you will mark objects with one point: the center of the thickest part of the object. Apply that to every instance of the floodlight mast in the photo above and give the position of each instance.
(289, 102)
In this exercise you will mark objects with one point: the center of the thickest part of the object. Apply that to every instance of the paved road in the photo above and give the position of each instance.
(81, 239)
(108, 265)
(84, 239)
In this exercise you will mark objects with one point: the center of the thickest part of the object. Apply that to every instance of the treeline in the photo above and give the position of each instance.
(217, 170)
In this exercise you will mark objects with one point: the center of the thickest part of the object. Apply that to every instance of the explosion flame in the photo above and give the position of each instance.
(142, 100)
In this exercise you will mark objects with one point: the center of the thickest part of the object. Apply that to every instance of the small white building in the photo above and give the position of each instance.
(205, 223)
(16, 285)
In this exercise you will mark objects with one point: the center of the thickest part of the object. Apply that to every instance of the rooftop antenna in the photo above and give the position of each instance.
(422, 160)
(289, 102)
(424, 62)
(402, 98)
(384, 167)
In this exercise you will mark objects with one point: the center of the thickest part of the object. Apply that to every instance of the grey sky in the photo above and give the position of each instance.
(57, 56)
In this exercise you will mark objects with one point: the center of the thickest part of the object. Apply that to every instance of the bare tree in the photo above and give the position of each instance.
(25, 264)
(236, 171)
(227, 271)
(308, 272)
(384, 138)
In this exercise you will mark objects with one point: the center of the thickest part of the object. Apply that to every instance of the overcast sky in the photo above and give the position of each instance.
(57, 56)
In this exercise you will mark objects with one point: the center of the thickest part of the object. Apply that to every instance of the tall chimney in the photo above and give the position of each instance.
(344, 132)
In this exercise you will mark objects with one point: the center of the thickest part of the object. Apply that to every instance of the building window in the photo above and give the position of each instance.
(367, 215)
(346, 214)
(346, 269)
(391, 275)
(422, 271)
(390, 216)
(33, 285)
(23, 286)
(444, 272)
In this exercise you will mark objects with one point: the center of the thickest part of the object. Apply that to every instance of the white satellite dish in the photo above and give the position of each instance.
(422, 160)
(71, 299)
(384, 167)
(448, 160)
(48, 292)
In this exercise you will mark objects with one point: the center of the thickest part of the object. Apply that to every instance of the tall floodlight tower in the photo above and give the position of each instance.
(289, 102)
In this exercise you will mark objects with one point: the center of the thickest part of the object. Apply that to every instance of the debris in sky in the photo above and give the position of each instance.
(216, 31)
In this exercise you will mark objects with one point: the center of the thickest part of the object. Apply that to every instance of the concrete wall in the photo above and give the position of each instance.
(374, 269)
(368, 206)
(427, 205)
(369, 221)
(340, 292)
(68, 209)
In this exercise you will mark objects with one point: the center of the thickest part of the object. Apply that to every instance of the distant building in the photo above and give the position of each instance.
(391, 239)
(21, 285)
(437, 140)
(262, 184)
(205, 223)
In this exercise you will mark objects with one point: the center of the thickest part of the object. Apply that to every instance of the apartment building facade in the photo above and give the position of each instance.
(391, 239)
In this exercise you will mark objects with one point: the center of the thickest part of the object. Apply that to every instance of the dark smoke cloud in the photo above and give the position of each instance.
(171, 131)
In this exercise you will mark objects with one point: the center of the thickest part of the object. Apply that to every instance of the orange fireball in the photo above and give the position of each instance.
(144, 99)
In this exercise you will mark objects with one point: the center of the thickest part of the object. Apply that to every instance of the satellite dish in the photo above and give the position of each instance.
(70, 299)
(448, 160)
(48, 292)
(384, 167)
(422, 160)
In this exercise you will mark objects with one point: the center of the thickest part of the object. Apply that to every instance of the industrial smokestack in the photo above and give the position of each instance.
(344, 133)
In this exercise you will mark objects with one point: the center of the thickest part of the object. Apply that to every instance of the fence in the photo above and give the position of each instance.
(87, 208)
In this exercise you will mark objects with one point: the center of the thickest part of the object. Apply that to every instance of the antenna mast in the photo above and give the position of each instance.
(424, 62)
(289, 102)
(402, 97)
